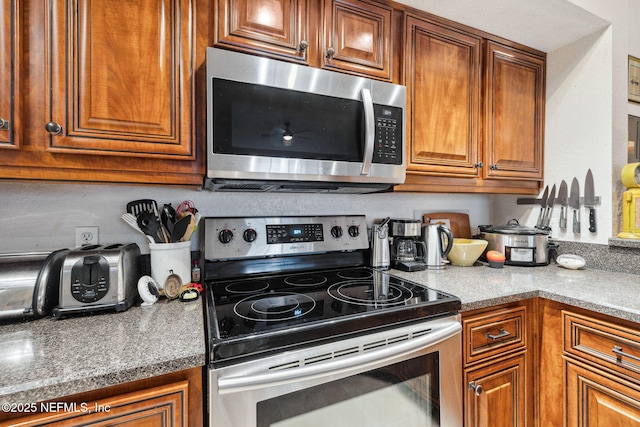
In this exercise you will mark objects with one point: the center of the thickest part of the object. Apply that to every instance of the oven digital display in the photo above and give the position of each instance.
(294, 233)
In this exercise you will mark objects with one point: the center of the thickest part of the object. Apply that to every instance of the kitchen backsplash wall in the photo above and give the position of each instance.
(43, 216)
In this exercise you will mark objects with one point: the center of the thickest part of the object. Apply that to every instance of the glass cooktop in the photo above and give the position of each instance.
(255, 315)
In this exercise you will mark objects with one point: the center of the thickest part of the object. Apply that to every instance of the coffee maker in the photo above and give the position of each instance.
(408, 250)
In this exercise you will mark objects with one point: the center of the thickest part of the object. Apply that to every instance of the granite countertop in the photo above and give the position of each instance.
(606, 292)
(47, 358)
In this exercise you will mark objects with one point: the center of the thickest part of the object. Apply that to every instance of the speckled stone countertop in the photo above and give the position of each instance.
(46, 358)
(615, 294)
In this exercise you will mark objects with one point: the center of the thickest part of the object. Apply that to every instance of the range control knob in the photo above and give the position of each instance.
(249, 235)
(336, 231)
(354, 231)
(225, 236)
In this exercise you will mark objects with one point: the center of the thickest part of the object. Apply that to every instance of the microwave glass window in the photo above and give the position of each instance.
(258, 120)
(404, 394)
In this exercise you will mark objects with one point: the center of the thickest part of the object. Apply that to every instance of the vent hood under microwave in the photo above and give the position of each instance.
(278, 126)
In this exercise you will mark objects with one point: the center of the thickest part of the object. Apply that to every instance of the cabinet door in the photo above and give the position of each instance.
(495, 394)
(120, 78)
(358, 38)
(277, 27)
(160, 406)
(596, 399)
(8, 23)
(442, 73)
(514, 113)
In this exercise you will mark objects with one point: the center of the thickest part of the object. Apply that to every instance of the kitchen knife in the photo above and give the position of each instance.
(590, 200)
(543, 207)
(550, 202)
(562, 199)
(574, 202)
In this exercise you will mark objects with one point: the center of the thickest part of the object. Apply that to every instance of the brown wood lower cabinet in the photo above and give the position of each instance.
(167, 400)
(589, 368)
(498, 347)
(595, 398)
(495, 394)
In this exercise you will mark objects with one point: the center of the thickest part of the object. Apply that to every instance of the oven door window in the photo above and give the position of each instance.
(257, 120)
(404, 394)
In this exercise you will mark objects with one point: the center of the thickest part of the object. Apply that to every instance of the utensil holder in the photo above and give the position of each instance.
(170, 258)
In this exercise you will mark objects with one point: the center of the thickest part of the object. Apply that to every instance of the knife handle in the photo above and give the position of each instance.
(540, 218)
(592, 220)
(563, 217)
(576, 221)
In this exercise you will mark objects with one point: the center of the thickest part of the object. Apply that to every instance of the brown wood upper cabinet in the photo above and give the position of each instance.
(105, 90)
(352, 36)
(120, 77)
(475, 111)
(442, 75)
(514, 113)
(8, 30)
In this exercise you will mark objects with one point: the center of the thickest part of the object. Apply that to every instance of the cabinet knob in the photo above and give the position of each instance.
(330, 53)
(302, 48)
(478, 165)
(4, 124)
(53, 128)
(494, 167)
(477, 388)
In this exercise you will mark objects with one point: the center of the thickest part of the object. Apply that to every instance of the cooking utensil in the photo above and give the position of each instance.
(168, 217)
(550, 202)
(590, 200)
(543, 207)
(564, 202)
(574, 202)
(136, 207)
(150, 225)
(179, 228)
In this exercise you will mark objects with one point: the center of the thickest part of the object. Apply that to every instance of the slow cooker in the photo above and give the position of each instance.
(521, 245)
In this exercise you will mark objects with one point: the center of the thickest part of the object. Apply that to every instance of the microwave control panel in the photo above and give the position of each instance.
(389, 128)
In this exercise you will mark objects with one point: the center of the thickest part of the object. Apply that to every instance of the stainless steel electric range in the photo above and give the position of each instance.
(293, 313)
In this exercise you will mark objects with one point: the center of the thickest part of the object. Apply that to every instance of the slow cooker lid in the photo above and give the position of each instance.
(512, 227)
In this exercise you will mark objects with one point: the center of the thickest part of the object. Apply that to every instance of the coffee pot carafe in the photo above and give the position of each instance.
(434, 236)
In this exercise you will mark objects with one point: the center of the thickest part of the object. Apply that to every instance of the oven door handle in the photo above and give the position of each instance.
(361, 362)
(369, 131)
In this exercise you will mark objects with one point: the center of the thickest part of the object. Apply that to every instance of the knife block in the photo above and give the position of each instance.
(630, 214)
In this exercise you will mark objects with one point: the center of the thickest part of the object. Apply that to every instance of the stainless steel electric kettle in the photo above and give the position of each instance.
(434, 236)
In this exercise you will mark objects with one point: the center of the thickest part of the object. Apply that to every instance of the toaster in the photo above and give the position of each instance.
(98, 278)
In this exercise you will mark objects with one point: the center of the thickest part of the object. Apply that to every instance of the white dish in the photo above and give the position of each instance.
(570, 261)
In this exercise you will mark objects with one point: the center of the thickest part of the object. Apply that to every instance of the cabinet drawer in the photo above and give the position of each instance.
(494, 333)
(605, 344)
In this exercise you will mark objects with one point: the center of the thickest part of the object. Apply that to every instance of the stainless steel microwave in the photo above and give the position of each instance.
(277, 126)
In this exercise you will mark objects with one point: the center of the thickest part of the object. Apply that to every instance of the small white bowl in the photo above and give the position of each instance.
(570, 261)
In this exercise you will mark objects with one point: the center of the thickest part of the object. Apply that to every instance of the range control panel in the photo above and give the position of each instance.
(255, 237)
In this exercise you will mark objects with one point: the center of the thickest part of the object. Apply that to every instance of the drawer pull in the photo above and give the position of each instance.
(618, 351)
(502, 333)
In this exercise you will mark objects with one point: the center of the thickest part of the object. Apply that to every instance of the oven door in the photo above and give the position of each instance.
(409, 376)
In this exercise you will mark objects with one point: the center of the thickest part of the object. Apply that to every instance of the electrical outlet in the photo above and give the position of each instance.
(87, 235)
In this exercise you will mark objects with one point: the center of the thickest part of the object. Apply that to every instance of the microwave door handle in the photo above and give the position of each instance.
(369, 131)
